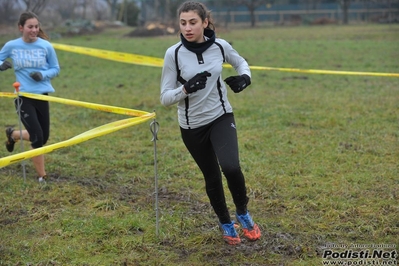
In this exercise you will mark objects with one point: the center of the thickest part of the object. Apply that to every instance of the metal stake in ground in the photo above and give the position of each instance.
(18, 104)
(154, 127)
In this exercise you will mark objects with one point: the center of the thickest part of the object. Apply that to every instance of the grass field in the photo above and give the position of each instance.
(320, 154)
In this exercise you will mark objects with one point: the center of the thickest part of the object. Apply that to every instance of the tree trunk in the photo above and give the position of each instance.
(345, 6)
(253, 19)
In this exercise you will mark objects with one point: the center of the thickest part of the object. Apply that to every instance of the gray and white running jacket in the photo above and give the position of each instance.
(203, 106)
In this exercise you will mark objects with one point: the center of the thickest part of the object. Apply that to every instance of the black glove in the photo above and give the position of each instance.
(36, 76)
(238, 83)
(198, 82)
(6, 65)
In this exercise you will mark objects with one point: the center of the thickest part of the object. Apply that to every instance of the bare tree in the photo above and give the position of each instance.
(170, 7)
(8, 10)
(149, 10)
(345, 6)
(66, 9)
(98, 9)
(113, 5)
(252, 5)
(158, 10)
(84, 4)
(230, 5)
(312, 4)
(36, 6)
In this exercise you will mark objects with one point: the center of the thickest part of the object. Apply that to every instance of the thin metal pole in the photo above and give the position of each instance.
(154, 127)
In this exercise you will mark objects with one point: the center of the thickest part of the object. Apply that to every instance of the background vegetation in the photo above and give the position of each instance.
(319, 153)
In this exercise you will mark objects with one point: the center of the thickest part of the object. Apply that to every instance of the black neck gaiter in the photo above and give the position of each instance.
(199, 48)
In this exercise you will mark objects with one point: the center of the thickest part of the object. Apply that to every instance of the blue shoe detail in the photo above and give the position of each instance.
(245, 220)
(250, 229)
(230, 234)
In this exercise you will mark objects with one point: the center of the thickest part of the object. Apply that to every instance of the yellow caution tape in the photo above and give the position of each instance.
(111, 55)
(158, 62)
(330, 72)
(95, 106)
(141, 117)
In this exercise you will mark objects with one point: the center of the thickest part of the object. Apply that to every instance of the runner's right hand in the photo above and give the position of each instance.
(198, 82)
(6, 65)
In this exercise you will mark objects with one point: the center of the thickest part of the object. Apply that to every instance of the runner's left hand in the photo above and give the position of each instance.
(238, 83)
(36, 76)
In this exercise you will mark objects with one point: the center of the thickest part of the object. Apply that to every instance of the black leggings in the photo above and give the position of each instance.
(213, 145)
(35, 116)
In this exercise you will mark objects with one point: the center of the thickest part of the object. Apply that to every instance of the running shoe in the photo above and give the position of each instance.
(10, 141)
(250, 229)
(230, 235)
(42, 179)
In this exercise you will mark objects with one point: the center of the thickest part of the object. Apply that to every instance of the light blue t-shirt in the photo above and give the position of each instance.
(32, 57)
